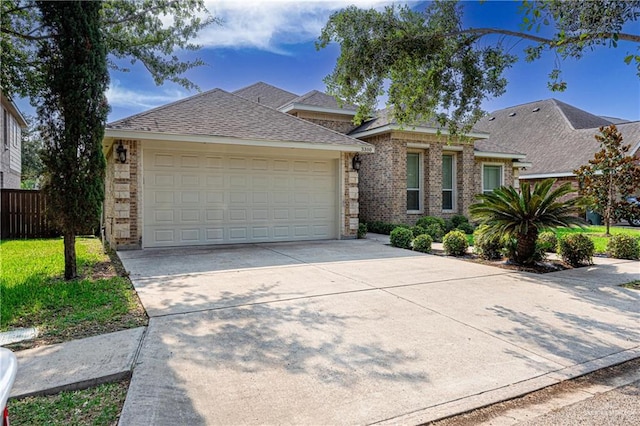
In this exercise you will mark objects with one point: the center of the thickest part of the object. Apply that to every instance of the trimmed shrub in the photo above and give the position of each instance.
(458, 220)
(362, 230)
(455, 243)
(385, 228)
(430, 220)
(401, 237)
(435, 231)
(467, 228)
(418, 230)
(485, 246)
(422, 243)
(548, 241)
(576, 249)
(624, 247)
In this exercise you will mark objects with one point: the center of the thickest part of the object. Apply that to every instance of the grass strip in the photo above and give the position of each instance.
(34, 294)
(99, 406)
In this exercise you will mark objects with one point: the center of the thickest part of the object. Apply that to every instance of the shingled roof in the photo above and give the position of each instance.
(556, 137)
(266, 94)
(384, 118)
(220, 113)
(320, 99)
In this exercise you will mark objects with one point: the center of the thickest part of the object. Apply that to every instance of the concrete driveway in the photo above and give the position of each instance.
(357, 332)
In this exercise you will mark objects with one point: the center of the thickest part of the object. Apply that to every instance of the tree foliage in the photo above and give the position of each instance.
(32, 167)
(73, 113)
(148, 32)
(610, 177)
(523, 215)
(59, 56)
(434, 69)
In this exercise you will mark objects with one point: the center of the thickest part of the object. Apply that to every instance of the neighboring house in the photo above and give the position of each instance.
(11, 125)
(557, 138)
(218, 168)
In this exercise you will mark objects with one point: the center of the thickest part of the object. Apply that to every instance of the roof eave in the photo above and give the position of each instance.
(547, 175)
(13, 108)
(292, 107)
(113, 134)
(502, 155)
(417, 129)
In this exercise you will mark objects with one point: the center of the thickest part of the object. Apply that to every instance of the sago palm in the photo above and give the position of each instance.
(522, 215)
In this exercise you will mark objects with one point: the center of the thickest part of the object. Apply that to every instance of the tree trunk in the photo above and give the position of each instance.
(607, 218)
(526, 247)
(70, 267)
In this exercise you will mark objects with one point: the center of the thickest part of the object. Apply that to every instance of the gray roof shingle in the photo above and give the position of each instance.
(220, 113)
(384, 118)
(265, 94)
(556, 137)
(320, 99)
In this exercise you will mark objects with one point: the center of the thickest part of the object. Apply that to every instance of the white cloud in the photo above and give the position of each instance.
(123, 97)
(270, 25)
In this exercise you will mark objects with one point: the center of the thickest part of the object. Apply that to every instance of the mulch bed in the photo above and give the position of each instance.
(545, 267)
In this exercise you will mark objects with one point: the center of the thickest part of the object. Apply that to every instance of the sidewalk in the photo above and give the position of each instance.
(77, 364)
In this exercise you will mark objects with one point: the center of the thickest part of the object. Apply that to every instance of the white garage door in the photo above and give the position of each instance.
(193, 198)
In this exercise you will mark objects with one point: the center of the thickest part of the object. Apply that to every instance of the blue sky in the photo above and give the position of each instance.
(273, 41)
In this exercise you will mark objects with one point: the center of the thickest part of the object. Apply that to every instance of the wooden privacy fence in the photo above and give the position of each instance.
(22, 214)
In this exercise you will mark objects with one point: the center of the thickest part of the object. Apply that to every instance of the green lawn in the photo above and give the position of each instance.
(100, 405)
(34, 294)
(597, 234)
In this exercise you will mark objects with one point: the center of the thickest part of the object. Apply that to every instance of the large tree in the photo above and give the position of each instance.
(610, 178)
(434, 68)
(57, 54)
(73, 112)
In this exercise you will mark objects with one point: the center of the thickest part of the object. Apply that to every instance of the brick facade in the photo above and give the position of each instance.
(123, 199)
(383, 182)
(350, 207)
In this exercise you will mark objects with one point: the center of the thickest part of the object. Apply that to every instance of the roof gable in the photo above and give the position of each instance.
(220, 113)
(320, 99)
(580, 119)
(265, 94)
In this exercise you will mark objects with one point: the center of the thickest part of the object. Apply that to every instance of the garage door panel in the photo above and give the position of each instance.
(190, 216)
(214, 235)
(189, 235)
(189, 161)
(193, 198)
(188, 181)
(215, 215)
(213, 162)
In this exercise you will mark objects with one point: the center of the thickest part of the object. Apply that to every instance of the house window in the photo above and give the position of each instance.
(414, 182)
(491, 177)
(448, 181)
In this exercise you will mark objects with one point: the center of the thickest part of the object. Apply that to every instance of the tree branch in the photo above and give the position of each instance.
(553, 43)
(24, 36)
(137, 16)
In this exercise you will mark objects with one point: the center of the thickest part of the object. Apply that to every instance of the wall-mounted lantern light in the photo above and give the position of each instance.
(356, 163)
(122, 153)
